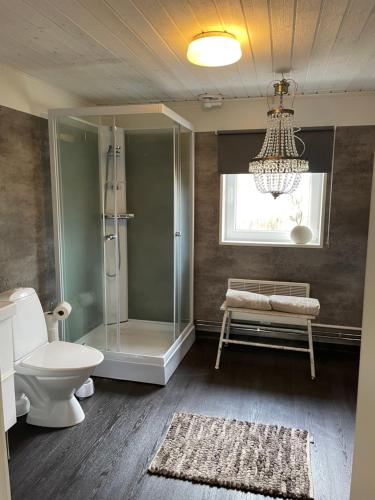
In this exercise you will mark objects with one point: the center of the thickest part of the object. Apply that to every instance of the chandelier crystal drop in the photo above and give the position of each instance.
(278, 166)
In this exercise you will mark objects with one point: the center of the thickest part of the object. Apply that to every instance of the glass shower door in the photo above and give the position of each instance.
(149, 162)
(183, 226)
(81, 250)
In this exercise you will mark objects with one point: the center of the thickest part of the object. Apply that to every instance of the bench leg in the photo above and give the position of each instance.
(311, 350)
(227, 333)
(221, 340)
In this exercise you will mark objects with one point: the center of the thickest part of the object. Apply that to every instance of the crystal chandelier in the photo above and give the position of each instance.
(277, 168)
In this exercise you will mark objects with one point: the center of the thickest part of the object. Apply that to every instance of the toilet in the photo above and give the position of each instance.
(46, 374)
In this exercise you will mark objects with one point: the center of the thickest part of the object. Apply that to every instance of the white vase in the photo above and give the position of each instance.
(301, 235)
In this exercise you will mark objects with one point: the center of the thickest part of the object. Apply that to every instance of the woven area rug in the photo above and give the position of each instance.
(247, 456)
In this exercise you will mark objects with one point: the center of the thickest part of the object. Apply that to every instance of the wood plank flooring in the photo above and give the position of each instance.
(106, 457)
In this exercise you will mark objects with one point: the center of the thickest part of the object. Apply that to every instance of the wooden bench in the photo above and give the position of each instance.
(268, 317)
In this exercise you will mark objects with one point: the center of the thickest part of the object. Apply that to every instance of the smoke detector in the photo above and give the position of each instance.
(210, 101)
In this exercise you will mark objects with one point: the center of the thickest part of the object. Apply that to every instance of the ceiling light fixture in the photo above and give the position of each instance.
(278, 166)
(210, 101)
(214, 48)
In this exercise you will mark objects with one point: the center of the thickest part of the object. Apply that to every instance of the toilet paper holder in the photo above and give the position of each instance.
(59, 313)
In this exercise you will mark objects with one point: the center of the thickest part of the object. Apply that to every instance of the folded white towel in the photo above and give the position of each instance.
(247, 300)
(298, 305)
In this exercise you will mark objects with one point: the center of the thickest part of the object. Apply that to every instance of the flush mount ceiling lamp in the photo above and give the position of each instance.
(278, 166)
(214, 48)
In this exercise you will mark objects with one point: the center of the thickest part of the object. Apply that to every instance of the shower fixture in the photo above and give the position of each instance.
(136, 271)
(110, 237)
(113, 185)
(110, 151)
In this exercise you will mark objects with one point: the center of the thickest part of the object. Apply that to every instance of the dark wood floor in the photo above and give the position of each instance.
(106, 457)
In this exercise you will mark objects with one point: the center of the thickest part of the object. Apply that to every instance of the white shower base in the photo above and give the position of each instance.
(145, 351)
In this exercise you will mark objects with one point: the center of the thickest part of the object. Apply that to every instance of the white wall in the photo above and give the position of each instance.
(25, 93)
(4, 474)
(313, 110)
(363, 477)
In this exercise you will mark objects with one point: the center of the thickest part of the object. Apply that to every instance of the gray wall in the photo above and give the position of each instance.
(336, 273)
(26, 233)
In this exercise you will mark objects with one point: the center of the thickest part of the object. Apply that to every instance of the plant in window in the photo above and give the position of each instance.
(296, 202)
(299, 234)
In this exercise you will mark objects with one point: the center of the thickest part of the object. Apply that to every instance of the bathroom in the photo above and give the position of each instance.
(128, 216)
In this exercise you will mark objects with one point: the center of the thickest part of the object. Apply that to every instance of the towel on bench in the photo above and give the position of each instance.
(297, 305)
(247, 300)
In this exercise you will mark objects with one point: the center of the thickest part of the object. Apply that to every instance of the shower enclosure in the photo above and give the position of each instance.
(122, 180)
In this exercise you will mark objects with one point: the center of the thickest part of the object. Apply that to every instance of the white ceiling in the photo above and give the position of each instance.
(118, 51)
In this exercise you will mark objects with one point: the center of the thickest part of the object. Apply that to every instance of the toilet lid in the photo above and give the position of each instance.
(63, 356)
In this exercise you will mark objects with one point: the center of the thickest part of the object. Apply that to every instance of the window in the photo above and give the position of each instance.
(249, 217)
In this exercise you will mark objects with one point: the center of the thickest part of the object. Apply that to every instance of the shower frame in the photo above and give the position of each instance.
(116, 364)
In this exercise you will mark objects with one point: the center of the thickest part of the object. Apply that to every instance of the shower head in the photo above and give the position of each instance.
(110, 151)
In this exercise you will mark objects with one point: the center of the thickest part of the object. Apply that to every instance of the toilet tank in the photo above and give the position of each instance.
(29, 326)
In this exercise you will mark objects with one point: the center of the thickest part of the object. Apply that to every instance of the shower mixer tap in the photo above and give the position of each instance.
(110, 237)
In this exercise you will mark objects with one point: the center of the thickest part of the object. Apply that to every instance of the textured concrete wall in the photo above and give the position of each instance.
(26, 232)
(336, 273)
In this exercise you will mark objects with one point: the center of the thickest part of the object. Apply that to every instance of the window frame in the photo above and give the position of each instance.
(278, 236)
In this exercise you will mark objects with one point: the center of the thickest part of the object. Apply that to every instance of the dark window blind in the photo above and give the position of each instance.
(236, 148)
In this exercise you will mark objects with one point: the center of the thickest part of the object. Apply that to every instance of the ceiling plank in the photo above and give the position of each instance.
(329, 23)
(356, 37)
(282, 15)
(151, 37)
(362, 59)
(76, 50)
(139, 82)
(257, 23)
(232, 15)
(307, 17)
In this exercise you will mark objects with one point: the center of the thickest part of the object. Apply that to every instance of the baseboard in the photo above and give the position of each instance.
(321, 335)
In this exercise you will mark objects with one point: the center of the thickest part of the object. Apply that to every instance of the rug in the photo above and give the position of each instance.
(267, 459)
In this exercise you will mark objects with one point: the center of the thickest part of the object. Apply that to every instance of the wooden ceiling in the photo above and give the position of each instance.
(119, 51)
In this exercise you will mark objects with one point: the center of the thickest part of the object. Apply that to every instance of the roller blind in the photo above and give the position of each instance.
(237, 147)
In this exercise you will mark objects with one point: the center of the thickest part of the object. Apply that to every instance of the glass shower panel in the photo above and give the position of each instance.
(184, 248)
(80, 226)
(149, 167)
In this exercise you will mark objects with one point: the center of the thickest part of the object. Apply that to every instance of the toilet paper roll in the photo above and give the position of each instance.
(62, 311)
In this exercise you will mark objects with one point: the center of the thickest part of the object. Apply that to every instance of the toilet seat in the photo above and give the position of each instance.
(60, 358)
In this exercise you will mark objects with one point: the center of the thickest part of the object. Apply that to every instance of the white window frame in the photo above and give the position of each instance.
(267, 238)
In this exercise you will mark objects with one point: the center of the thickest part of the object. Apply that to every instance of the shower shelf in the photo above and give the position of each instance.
(119, 216)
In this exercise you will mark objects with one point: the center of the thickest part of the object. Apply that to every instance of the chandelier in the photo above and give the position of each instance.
(277, 168)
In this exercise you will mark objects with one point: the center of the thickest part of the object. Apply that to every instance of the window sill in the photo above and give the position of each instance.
(269, 244)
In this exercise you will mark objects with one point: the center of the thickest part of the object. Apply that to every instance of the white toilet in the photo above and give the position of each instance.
(47, 373)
